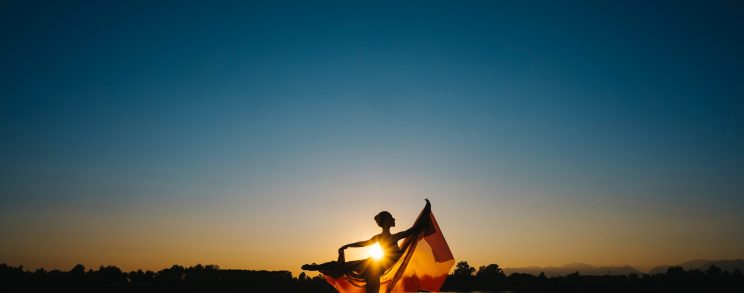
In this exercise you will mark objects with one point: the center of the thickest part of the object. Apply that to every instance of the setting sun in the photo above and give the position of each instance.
(375, 251)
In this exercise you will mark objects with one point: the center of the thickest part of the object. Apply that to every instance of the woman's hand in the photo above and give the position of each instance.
(425, 224)
(341, 256)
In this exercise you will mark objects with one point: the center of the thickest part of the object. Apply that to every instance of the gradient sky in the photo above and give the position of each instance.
(266, 135)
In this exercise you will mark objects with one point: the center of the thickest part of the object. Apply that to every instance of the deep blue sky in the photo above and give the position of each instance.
(609, 115)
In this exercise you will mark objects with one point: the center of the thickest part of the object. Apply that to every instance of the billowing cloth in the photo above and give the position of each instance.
(424, 264)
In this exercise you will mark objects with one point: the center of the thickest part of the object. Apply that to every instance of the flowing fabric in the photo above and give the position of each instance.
(424, 264)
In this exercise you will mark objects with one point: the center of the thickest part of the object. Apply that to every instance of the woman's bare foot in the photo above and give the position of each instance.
(310, 267)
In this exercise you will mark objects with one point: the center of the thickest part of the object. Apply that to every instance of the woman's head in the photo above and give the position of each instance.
(385, 219)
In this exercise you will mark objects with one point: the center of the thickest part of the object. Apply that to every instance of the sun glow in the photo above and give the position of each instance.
(375, 251)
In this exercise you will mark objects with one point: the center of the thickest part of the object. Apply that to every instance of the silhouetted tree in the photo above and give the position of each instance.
(461, 279)
(78, 270)
(490, 276)
(464, 270)
(713, 271)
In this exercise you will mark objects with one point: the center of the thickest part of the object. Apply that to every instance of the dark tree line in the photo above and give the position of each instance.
(199, 278)
(211, 278)
(675, 279)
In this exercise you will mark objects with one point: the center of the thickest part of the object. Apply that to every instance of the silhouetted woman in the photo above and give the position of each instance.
(371, 269)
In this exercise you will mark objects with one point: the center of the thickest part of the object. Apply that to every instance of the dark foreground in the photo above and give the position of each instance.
(465, 278)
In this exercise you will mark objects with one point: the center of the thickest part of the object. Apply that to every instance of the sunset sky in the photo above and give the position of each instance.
(266, 135)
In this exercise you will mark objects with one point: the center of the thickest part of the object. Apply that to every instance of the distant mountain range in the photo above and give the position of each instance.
(704, 264)
(586, 269)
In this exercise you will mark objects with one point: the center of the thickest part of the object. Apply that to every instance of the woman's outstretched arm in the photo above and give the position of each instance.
(418, 226)
(359, 244)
